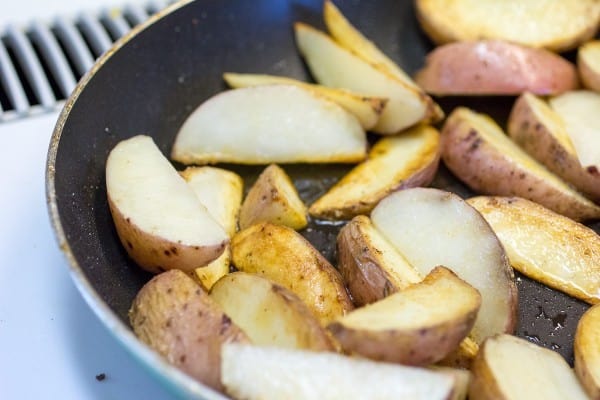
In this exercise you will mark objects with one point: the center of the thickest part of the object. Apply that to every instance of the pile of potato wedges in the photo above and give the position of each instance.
(420, 301)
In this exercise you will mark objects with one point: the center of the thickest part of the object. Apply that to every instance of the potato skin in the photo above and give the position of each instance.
(156, 254)
(487, 170)
(361, 264)
(494, 67)
(535, 137)
(282, 255)
(177, 318)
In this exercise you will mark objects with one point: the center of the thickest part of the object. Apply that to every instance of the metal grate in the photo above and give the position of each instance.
(41, 63)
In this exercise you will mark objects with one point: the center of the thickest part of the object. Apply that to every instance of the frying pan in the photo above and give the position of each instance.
(154, 77)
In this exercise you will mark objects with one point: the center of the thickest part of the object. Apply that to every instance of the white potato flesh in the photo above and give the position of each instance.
(588, 64)
(523, 370)
(254, 373)
(147, 192)
(579, 111)
(587, 351)
(332, 65)
(431, 227)
(265, 124)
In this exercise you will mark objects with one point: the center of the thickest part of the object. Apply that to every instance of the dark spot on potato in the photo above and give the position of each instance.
(169, 290)
(182, 359)
(522, 175)
(264, 197)
(525, 125)
(129, 245)
(474, 146)
(422, 332)
(225, 324)
(128, 220)
(169, 322)
(592, 169)
(198, 292)
(537, 126)
(471, 135)
(160, 268)
(142, 320)
(185, 306)
(200, 314)
(196, 247)
(167, 253)
(174, 250)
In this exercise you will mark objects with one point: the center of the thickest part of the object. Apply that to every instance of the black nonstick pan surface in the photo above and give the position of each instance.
(157, 75)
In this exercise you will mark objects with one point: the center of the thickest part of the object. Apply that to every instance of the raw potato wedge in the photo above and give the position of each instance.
(333, 65)
(220, 191)
(430, 227)
(555, 25)
(545, 246)
(269, 314)
(511, 368)
(346, 35)
(373, 269)
(418, 326)
(579, 111)
(175, 316)
(366, 109)
(588, 64)
(587, 352)
(478, 152)
(394, 163)
(273, 198)
(370, 266)
(541, 132)
(262, 373)
(224, 129)
(462, 379)
(282, 255)
(159, 220)
(494, 67)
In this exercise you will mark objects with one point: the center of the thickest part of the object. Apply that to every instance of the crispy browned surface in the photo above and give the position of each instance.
(282, 255)
(174, 316)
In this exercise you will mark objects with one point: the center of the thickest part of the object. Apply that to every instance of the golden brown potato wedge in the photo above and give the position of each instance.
(587, 352)
(579, 111)
(396, 162)
(176, 317)
(282, 255)
(478, 152)
(511, 368)
(269, 314)
(557, 26)
(366, 109)
(159, 220)
(370, 266)
(494, 67)
(273, 198)
(539, 131)
(373, 269)
(224, 129)
(588, 64)
(545, 246)
(220, 191)
(430, 227)
(346, 35)
(419, 325)
(333, 65)
(262, 373)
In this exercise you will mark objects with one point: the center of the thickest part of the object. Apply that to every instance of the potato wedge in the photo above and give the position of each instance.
(224, 129)
(346, 35)
(493, 67)
(511, 368)
(282, 255)
(370, 266)
(579, 111)
(419, 325)
(587, 352)
(545, 246)
(462, 379)
(269, 314)
(414, 220)
(478, 152)
(273, 198)
(159, 220)
(220, 191)
(541, 132)
(588, 64)
(394, 163)
(332, 65)
(366, 109)
(557, 26)
(373, 269)
(264, 373)
(176, 317)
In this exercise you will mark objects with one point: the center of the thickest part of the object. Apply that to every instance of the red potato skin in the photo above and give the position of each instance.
(495, 67)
